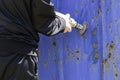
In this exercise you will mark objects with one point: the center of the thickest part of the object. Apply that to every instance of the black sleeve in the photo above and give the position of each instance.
(44, 19)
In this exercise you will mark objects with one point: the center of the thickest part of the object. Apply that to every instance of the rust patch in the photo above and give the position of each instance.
(111, 3)
(104, 61)
(71, 53)
(45, 63)
(60, 61)
(78, 52)
(115, 71)
(109, 55)
(114, 65)
(95, 46)
(85, 23)
(96, 56)
(54, 44)
(112, 46)
(94, 32)
(107, 45)
(99, 10)
(108, 8)
(116, 75)
(78, 59)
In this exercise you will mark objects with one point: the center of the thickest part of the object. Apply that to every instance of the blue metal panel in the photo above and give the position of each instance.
(94, 56)
(111, 39)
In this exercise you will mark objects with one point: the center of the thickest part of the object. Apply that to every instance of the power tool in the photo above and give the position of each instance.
(82, 28)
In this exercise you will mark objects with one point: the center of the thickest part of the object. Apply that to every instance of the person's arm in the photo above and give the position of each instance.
(46, 21)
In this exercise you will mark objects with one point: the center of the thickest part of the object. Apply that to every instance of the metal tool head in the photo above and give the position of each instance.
(82, 28)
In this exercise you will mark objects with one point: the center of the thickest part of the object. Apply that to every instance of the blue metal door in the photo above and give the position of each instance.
(93, 56)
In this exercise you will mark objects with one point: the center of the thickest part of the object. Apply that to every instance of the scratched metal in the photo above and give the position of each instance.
(94, 56)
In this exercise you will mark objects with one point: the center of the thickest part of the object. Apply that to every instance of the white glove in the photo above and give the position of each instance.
(67, 20)
(72, 22)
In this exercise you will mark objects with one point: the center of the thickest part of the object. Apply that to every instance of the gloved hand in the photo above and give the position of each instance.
(70, 22)
(67, 20)
(68, 25)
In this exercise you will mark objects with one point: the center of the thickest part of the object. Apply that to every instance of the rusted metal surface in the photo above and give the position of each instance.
(111, 39)
(93, 56)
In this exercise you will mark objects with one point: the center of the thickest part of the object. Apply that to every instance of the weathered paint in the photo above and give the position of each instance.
(94, 56)
(111, 39)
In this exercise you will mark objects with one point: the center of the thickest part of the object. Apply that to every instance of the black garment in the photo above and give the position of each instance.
(22, 20)
(20, 23)
(18, 61)
(18, 67)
